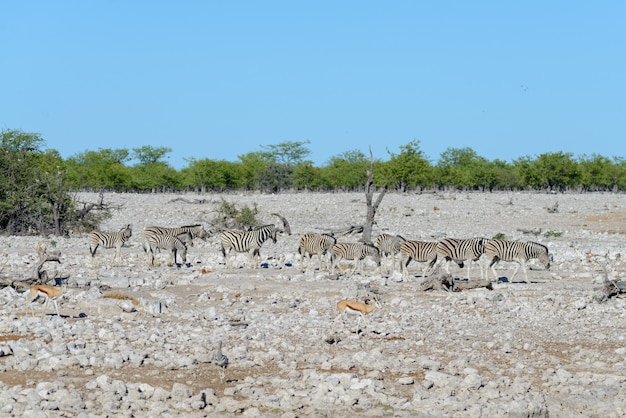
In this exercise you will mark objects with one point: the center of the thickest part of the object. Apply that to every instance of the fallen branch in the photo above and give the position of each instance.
(446, 283)
(437, 282)
(193, 202)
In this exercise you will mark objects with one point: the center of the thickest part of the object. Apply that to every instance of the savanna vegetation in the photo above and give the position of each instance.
(38, 186)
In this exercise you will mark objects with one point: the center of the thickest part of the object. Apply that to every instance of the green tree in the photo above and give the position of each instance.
(307, 176)
(154, 176)
(347, 170)
(551, 171)
(408, 169)
(102, 169)
(148, 154)
(151, 173)
(618, 173)
(212, 175)
(463, 168)
(595, 172)
(34, 194)
(254, 164)
(287, 153)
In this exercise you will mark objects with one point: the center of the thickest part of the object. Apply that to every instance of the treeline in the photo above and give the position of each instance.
(285, 167)
(36, 185)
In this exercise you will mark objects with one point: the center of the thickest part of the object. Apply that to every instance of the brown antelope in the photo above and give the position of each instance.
(49, 292)
(352, 307)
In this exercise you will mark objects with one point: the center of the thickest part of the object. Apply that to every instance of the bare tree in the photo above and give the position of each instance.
(369, 197)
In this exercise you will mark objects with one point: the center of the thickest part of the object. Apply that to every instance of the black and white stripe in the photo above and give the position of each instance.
(312, 243)
(247, 241)
(174, 244)
(356, 251)
(196, 231)
(389, 245)
(109, 240)
(420, 251)
(518, 251)
(460, 251)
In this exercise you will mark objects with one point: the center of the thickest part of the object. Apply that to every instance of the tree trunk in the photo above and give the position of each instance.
(371, 207)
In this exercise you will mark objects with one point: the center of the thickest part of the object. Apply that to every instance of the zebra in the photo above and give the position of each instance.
(247, 241)
(420, 251)
(196, 231)
(459, 251)
(150, 232)
(389, 245)
(353, 251)
(503, 250)
(109, 240)
(311, 243)
(175, 244)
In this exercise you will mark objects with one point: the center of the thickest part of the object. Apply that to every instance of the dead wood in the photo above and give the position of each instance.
(535, 232)
(286, 227)
(352, 229)
(192, 202)
(612, 288)
(437, 282)
(45, 257)
(472, 284)
(372, 207)
(446, 282)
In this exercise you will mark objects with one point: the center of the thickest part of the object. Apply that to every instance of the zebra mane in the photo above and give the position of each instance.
(538, 244)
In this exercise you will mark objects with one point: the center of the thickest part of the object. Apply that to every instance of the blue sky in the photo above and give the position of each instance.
(218, 79)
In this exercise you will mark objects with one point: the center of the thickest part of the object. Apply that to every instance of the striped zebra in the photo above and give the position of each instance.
(109, 240)
(312, 243)
(460, 251)
(174, 244)
(196, 231)
(356, 251)
(151, 232)
(247, 241)
(420, 251)
(521, 252)
(389, 245)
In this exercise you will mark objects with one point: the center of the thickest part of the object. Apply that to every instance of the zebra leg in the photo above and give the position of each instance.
(405, 270)
(492, 265)
(319, 260)
(118, 249)
(302, 255)
(257, 253)
(335, 263)
(521, 264)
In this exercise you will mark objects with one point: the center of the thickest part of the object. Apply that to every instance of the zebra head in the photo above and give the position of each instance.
(127, 231)
(372, 251)
(544, 257)
(266, 231)
(197, 230)
(186, 238)
(272, 232)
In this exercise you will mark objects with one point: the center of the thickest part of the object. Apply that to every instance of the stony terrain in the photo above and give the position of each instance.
(134, 340)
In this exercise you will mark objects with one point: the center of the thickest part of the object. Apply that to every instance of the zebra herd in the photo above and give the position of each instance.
(434, 253)
(177, 240)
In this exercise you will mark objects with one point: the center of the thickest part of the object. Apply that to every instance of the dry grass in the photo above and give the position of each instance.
(120, 296)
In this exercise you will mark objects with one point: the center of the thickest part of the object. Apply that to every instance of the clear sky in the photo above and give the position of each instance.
(218, 79)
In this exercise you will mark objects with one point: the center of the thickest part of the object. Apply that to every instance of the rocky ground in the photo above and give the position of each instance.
(134, 340)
